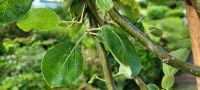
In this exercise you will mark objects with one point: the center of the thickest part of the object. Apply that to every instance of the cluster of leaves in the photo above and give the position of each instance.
(62, 64)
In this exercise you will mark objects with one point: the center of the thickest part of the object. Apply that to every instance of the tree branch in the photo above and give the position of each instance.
(148, 43)
(140, 83)
(104, 60)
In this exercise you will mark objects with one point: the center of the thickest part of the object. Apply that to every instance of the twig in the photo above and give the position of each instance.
(104, 60)
(140, 83)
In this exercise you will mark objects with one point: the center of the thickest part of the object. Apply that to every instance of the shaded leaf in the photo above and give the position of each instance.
(121, 48)
(62, 64)
(76, 8)
(140, 26)
(12, 10)
(39, 18)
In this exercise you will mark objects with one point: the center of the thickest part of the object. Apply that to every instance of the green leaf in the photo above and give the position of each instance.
(152, 87)
(167, 69)
(180, 54)
(39, 18)
(67, 4)
(76, 8)
(121, 48)
(155, 31)
(140, 26)
(167, 81)
(75, 29)
(12, 10)
(130, 9)
(62, 64)
(104, 5)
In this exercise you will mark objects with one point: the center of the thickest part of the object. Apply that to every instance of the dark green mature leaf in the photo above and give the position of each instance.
(104, 5)
(12, 10)
(76, 8)
(62, 64)
(152, 87)
(167, 81)
(140, 26)
(180, 54)
(39, 18)
(121, 48)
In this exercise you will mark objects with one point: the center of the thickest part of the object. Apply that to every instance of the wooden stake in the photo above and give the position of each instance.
(194, 29)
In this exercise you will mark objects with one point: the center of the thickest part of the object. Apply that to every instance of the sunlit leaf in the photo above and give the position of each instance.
(180, 54)
(104, 5)
(167, 81)
(39, 18)
(12, 10)
(62, 64)
(130, 9)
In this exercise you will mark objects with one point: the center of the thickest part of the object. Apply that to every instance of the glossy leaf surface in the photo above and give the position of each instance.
(12, 10)
(121, 48)
(39, 18)
(62, 64)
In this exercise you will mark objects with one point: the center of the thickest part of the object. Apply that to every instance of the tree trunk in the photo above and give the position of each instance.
(194, 29)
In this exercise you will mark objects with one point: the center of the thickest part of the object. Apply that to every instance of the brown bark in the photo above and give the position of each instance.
(194, 29)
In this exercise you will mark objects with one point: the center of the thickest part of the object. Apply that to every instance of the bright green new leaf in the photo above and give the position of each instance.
(39, 18)
(12, 10)
(180, 54)
(104, 5)
(152, 87)
(167, 81)
(130, 9)
(62, 64)
(121, 48)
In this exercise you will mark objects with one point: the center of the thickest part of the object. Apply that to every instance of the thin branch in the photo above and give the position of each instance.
(93, 10)
(154, 48)
(104, 60)
(140, 83)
